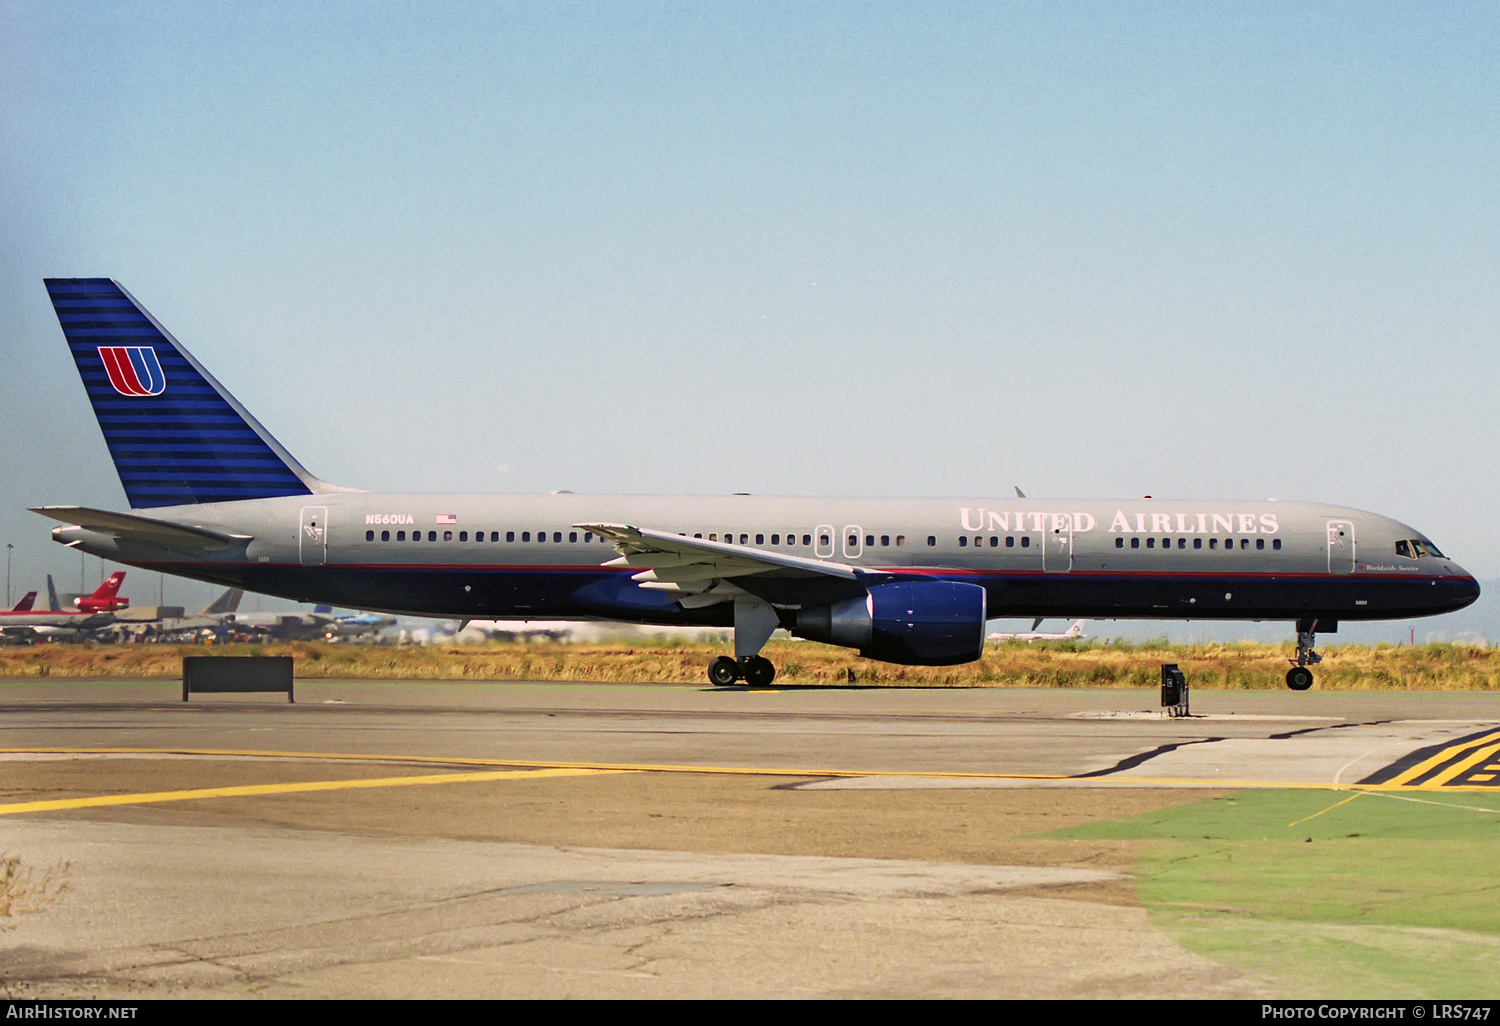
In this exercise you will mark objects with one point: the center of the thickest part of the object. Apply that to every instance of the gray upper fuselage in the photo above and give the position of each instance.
(1184, 547)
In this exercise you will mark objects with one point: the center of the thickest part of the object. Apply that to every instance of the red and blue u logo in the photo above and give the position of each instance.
(133, 370)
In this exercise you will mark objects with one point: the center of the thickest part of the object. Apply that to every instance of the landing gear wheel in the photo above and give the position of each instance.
(724, 671)
(1299, 678)
(758, 671)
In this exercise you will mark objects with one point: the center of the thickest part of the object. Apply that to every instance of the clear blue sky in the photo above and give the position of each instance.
(890, 249)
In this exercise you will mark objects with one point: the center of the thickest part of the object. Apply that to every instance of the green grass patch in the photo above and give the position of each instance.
(1328, 893)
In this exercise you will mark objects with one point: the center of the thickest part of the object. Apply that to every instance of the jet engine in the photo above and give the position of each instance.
(916, 623)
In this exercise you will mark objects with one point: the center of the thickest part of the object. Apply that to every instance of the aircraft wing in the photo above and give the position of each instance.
(695, 570)
(676, 555)
(129, 527)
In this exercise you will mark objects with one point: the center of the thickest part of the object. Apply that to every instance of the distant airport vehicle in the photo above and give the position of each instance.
(281, 626)
(1071, 634)
(26, 602)
(93, 612)
(900, 580)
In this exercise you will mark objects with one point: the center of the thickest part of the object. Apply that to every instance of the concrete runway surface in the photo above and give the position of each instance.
(421, 839)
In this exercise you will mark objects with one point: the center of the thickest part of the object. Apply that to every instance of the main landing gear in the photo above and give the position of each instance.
(756, 671)
(1299, 677)
(754, 620)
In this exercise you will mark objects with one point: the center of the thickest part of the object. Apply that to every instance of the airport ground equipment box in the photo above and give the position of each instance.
(240, 674)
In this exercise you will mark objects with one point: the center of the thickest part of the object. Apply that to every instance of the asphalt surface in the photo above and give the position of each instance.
(419, 839)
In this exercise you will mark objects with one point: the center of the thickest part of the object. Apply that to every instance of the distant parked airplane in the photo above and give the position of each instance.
(1072, 633)
(901, 580)
(25, 603)
(94, 611)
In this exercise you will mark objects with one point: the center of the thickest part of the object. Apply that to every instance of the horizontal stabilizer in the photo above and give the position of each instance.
(129, 527)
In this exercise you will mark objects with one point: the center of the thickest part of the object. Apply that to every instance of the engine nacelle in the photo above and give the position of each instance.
(916, 623)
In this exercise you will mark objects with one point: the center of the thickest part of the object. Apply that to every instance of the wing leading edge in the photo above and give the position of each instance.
(700, 573)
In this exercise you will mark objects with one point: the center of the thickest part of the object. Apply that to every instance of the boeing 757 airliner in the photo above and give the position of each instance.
(900, 580)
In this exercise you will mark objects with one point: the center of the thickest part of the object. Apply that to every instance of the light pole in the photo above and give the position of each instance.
(8, 548)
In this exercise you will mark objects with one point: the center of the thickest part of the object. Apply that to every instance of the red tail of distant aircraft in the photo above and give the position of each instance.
(25, 604)
(104, 599)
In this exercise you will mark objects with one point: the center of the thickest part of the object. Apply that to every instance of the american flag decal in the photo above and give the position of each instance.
(447, 518)
(133, 370)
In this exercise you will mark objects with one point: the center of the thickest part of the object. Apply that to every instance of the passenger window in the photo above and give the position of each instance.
(572, 537)
(495, 536)
(385, 536)
(1010, 541)
(1213, 543)
(588, 536)
(1150, 543)
(1026, 542)
(994, 541)
(713, 536)
(447, 536)
(462, 535)
(760, 539)
(1244, 543)
(526, 536)
(1182, 543)
(900, 541)
(963, 541)
(870, 540)
(1276, 543)
(931, 540)
(1119, 543)
(432, 536)
(1197, 543)
(1166, 543)
(1260, 543)
(510, 536)
(744, 539)
(775, 539)
(853, 541)
(807, 539)
(401, 536)
(1135, 543)
(369, 536)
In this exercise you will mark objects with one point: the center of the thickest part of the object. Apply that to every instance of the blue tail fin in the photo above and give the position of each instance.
(176, 436)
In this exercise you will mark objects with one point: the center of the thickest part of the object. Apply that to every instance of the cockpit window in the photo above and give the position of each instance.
(1417, 547)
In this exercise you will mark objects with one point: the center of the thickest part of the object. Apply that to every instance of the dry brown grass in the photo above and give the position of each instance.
(1237, 666)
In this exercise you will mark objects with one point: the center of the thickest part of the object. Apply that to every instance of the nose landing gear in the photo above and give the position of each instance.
(1299, 677)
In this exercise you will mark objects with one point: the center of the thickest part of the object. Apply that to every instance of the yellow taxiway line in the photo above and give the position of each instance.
(293, 788)
(519, 769)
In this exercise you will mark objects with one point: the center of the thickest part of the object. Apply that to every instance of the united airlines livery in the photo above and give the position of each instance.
(216, 498)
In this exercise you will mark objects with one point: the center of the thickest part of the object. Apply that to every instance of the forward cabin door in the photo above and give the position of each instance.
(1057, 544)
(1340, 547)
(312, 537)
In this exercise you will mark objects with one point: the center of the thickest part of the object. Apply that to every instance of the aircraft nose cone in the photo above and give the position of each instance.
(1460, 590)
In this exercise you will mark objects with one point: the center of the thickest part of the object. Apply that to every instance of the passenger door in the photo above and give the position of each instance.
(1340, 547)
(312, 536)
